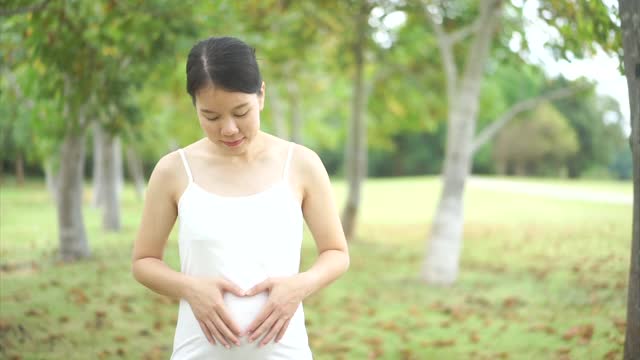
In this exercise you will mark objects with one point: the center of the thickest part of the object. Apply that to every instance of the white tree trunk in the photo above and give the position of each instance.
(445, 244)
(98, 166)
(356, 151)
(72, 234)
(630, 19)
(111, 183)
(51, 179)
(445, 240)
(277, 113)
(20, 169)
(136, 170)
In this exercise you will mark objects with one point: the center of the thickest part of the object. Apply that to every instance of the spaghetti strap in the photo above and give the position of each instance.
(285, 172)
(186, 165)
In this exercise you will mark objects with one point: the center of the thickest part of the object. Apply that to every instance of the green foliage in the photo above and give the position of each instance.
(124, 66)
(87, 57)
(622, 164)
(537, 144)
(598, 140)
(582, 25)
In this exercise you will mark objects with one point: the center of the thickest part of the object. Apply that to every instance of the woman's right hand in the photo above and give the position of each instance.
(205, 296)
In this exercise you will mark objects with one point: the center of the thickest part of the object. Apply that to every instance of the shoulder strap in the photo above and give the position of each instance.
(285, 172)
(186, 165)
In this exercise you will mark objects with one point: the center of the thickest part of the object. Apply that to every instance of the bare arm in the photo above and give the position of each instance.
(158, 217)
(321, 215)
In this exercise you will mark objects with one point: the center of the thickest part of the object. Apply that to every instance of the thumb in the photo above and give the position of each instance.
(228, 286)
(263, 286)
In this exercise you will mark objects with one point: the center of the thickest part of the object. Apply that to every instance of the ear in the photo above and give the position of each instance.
(261, 97)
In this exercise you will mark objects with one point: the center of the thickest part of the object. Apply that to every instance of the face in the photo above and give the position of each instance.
(231, 120)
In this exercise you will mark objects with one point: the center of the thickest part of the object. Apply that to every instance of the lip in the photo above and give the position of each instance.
(233, 143)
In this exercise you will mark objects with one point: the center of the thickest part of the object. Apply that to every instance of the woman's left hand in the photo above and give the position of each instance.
(285, 295)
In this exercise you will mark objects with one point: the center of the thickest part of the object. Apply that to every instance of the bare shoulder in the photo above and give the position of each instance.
(168, 176)
(309, 170)
(306, 159)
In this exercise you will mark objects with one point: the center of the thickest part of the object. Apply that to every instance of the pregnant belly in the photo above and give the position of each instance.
(243, 310)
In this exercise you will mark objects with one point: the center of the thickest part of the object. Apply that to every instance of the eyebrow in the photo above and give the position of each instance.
(213, 112)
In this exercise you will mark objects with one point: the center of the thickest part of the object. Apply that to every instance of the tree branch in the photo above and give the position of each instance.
(446, 49)
(465, 31)
(26, 9)
(492, 129)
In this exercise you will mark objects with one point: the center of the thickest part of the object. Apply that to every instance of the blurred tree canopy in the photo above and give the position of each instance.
(304, 65)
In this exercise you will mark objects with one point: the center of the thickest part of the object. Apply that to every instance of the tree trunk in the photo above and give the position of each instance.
(630, 18)
(112, 173)
(356, 151)
(277, 113)
(19, 169)
(296, 112)
(445, 242)
(72, 234)
(51, 180)
(136, 171)
(98, 166)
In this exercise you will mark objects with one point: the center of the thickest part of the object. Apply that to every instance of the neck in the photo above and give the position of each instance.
(250, 152)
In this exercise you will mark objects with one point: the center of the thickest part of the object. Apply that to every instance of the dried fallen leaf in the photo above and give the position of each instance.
(512, 301)
(35, 312)
(443, 342)
(583, 332)
(78, 296)
(474, 338)
(543, 328)
(120, 339)
(620, 324)
(126, 308)
(612, 355)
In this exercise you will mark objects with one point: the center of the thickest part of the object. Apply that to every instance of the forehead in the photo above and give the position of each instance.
(218, 99)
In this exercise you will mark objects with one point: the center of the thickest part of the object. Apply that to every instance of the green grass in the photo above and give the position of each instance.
(532, 270)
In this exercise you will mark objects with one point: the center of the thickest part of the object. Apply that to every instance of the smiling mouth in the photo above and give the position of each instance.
(233, 143)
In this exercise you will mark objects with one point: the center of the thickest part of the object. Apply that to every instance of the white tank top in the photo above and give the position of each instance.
(245, 239)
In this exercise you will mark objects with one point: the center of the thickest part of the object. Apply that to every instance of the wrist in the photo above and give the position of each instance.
(187, 287)
(309, 281)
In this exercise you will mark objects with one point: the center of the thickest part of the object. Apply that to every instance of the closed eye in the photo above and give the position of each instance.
(242, 115)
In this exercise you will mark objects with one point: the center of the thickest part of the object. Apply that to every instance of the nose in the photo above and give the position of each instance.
(229, 128)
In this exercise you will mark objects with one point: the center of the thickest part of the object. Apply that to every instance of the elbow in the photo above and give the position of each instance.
(132, 270)
(135, 269)
(347, 262)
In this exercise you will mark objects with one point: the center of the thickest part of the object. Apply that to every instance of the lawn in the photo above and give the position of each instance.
(541, 278)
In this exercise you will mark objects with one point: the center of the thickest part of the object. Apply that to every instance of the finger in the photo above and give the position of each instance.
(264, 314)
(272, 333)
(216, 333)
(263, 286)
(228, 286)
(222, 327)
(228, 321)
(283, 330)
(206, 332)
(266, 325)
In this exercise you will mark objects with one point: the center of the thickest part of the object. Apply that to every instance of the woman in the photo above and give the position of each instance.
(241, 196)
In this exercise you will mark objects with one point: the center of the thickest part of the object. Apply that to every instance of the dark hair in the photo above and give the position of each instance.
(226, 62)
